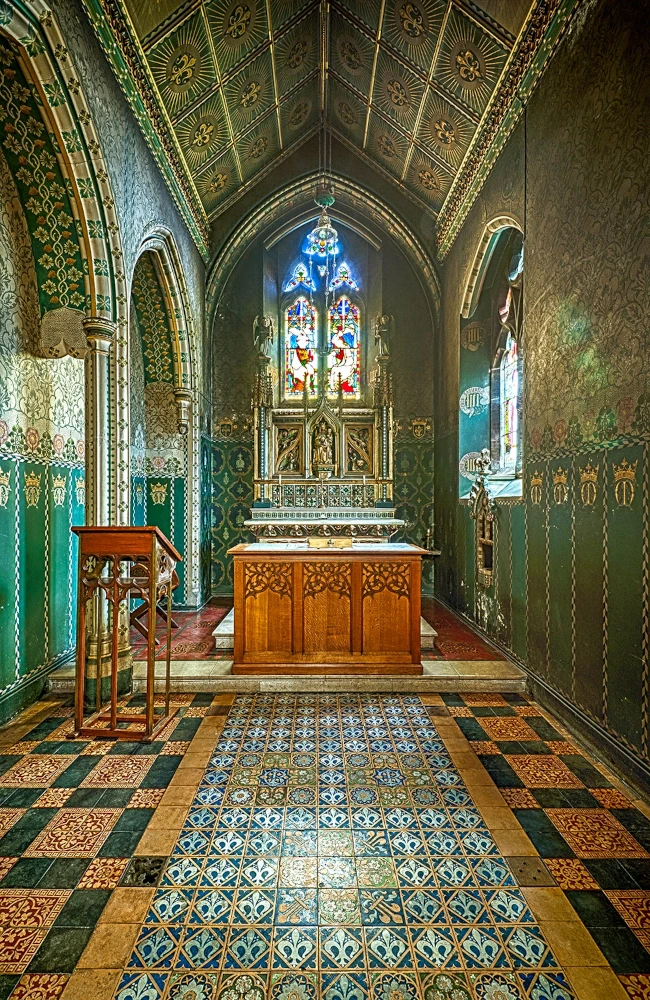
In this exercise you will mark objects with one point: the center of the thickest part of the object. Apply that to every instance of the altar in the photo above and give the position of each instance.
(351, 606)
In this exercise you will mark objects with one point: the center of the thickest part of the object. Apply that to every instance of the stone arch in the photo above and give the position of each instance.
(293, 197)
(176, 397)
(102, 315)
(482, 257)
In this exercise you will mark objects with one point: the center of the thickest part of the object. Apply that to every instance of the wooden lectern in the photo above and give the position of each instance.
(118, 563)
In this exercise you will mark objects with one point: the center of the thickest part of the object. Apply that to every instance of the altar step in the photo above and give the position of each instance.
(224, 634)
(204, 676)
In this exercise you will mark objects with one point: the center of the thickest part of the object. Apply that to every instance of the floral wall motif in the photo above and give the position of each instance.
(42, 482)
(570, 593)
(153, 321)
(30, 153)
(159, 452)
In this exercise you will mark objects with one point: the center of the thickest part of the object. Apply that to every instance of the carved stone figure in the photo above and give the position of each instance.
(383, 334)
(262, 332)
(323, 445)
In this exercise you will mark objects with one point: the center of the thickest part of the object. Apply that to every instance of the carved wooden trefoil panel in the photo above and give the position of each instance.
(272, 576)
(332, 576)
(394, 577)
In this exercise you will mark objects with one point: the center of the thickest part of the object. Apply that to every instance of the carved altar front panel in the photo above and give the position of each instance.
(268, 599)
(386, 594)
(327, 607)
(306, 610)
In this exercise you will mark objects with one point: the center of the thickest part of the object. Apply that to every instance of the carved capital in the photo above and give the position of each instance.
(100, 334)
(184, 402)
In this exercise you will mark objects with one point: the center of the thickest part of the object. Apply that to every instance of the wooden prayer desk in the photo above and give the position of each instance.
(353, 610)
(115, 565)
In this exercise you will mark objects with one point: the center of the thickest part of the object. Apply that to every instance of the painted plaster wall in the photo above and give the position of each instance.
(42, 481)
(571, 580)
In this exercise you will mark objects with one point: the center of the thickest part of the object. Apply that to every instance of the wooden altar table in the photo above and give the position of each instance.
(352, 610)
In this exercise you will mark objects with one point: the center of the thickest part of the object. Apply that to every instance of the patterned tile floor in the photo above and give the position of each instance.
(344, 847)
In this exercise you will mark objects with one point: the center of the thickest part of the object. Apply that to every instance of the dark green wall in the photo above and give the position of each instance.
(570, 592)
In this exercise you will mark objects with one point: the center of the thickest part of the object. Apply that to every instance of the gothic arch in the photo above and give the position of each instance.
(79, 156)
(482, 257)
(293, 198)
(160, 244)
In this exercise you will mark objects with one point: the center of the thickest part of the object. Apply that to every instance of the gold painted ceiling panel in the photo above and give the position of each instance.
(406, 83)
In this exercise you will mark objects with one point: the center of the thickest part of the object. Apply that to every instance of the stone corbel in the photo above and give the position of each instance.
(62, 332)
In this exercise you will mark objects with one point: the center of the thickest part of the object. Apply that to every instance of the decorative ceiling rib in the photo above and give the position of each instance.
(423, 89)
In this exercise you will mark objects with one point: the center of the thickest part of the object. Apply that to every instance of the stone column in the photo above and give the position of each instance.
(100, 337)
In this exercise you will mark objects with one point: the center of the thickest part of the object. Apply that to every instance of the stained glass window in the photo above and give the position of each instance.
(509, 381)
(300, 276)
(300, 347)
(343, 357)
(343, 277)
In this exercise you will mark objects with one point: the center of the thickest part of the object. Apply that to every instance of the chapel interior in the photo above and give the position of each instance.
(324, 500)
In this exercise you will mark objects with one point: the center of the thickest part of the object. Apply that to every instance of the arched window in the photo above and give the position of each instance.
(509, 406)
(343, 357)
(301, 366)
(491, 367)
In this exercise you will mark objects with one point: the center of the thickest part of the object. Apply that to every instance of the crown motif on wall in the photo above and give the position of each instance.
(560, 476)
(625, 471)
(4, 478)
(31, 479)
(589, 474)
(537, 479)
(58, 482)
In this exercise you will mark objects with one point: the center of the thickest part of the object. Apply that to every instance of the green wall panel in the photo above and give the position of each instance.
(34, 596)
(9, 592)
(590, 592)
(518, 580)
(166, 510)
(560, 515)
(536, 573)
(625, 619)
(59, 556)
(232, 496)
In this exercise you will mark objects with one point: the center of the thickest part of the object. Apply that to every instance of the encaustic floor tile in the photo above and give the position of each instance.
(384, 883)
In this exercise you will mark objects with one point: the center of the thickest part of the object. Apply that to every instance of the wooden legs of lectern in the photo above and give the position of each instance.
(114, 589)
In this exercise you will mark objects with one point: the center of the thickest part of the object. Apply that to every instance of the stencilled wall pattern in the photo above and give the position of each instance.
(42, 481)
(570, 594)
(159, 458)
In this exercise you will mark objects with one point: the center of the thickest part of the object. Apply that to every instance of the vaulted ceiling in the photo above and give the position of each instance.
(226, 88)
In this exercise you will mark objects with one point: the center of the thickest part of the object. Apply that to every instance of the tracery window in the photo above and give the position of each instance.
(300, 276)
(343, 357)
(301, 367)
(323, 340)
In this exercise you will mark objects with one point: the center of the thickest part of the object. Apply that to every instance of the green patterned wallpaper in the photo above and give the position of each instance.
(153, 322)
(570, 594)
(31, 155)
(413, 492)
(232, 495)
